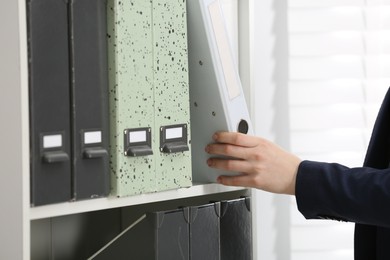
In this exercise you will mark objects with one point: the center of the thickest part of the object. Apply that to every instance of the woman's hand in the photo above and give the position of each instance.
(260, 163)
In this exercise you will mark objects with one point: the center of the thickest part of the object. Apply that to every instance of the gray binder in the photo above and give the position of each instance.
(49, 101)
(216, 95)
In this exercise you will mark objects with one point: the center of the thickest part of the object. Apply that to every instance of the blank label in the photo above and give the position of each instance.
(92, 137)
(173, 133)
(52, 141)
(137, 137)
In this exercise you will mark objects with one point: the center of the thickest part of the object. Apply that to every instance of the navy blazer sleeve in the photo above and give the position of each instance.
(333, 191)
(361, 195)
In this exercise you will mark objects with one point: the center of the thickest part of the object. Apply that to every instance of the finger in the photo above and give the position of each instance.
(242, 180)
(229, 165)
(228, 150)
(236, 139)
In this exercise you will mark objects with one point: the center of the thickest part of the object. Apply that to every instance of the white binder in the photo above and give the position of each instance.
(216, 95)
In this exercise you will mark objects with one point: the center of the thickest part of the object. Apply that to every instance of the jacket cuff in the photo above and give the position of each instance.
(308, 182)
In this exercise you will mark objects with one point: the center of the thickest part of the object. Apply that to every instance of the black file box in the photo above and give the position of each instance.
(73, 237)
(204, 232)
(49, 101)
(236, 229)
(89, 98)
(160, 235)
(185, 233)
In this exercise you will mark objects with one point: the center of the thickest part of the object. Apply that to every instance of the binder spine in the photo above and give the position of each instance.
(171, 92)
(217, 99)
(49, 101)
(130, 93)
(204, 232)
(236, 229)
(89, 98)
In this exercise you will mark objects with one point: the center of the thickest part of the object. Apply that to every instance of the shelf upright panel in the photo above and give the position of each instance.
(14, 137)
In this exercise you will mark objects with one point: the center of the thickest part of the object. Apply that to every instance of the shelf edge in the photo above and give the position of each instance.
(67, 208)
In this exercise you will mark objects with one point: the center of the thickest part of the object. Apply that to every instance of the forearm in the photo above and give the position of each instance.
(360, 195)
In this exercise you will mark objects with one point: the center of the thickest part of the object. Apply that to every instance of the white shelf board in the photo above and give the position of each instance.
(67, 208)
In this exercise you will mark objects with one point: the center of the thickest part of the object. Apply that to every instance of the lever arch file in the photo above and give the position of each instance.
(89, 98)
(236, 229)
(149, 96)
(49, 101)
(216, 95)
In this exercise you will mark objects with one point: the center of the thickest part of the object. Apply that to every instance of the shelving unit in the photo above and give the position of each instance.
(16, 215)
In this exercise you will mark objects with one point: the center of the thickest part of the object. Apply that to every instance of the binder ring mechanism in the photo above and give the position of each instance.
(173, 138)
(243, 127)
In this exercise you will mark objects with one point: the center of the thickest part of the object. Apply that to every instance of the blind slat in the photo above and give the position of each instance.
(326, 92)
(327, 141)
(326, 68)
(327, 43)
(323, 3)
(322, 238)
(326, 19)
(323, 255)
(378, 17)
(327, 117)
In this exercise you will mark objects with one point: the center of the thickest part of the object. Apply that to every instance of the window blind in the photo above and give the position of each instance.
(339, 71)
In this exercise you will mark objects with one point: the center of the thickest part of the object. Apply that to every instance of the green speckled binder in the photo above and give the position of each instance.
(148, 91)
(171, 90)
(131, 92)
